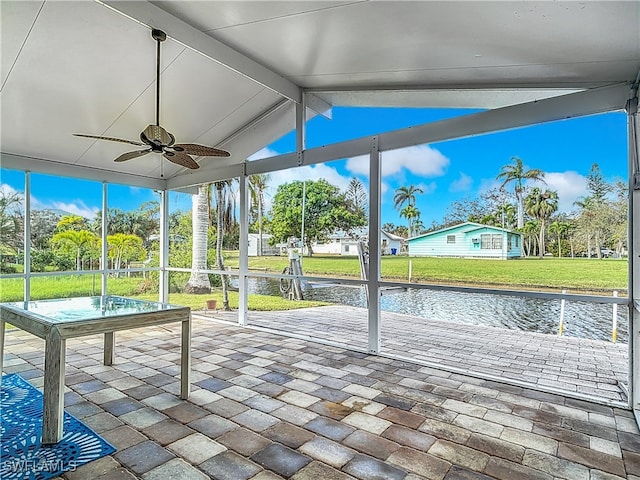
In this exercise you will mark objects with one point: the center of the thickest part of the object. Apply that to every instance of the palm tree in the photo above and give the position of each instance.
(199, 280)
(257, 187)
(77, 239)
(516, 173)
(124, 246)
(559, 229)
(418, 226)
(530, 229)
(412, 214)
(224, 212)
(541, 205)
(407, 195)
(507, 214)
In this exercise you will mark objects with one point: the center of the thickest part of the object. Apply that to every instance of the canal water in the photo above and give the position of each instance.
(581, 319)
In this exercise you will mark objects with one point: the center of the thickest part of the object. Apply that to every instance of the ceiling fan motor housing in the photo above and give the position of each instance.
(157, 137)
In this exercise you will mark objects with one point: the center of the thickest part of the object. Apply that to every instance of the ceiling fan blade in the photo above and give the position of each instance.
(111, 139)
(129, 155)
(182, 159)
(200, 150)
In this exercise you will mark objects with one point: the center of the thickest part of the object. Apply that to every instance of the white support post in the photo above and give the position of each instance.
(164, 247)
(373, 287)
(301, 122)
(104, 255)
(634, 257)
(26, 261)
(561, 322)
(243, 280)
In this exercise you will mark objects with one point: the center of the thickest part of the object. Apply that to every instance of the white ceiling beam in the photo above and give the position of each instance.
(60, 169)
(197, 177)
(318, 105)
(154, 17)
(588, 102)
(243, 143)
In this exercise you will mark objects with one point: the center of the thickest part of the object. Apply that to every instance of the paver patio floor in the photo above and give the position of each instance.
(574, 365)
(266, 406)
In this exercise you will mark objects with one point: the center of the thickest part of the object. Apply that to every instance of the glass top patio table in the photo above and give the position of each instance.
(59, 319)
(61, 310)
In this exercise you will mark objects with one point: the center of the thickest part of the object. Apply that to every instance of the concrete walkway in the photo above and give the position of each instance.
(268, 407)
(579, 366)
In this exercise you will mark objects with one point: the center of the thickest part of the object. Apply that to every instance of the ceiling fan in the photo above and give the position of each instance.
(156, 139)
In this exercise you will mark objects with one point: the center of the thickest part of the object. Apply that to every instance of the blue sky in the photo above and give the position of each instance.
(446, 171)
(458, 169)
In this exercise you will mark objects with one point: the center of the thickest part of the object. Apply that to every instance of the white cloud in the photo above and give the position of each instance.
(419, 160)
(263, 153)
(428, 188)
(461, 184)
(7, 190)
(77, 208)
(570, 185)
(309, 172)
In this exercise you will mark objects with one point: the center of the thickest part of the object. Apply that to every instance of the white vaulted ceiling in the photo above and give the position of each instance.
(232, 71)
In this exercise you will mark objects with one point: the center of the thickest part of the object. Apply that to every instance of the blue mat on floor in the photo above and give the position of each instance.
(22, 454)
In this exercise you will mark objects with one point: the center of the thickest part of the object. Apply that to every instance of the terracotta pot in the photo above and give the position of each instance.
(211, 304)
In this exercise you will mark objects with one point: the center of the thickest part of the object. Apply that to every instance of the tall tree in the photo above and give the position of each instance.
(560, 229)
(407, 195)
(258, 184)
(357, 195)
(199, 280)
(597, 186)
(516, 173)
(530, 231)
(326, 211)
(125, 247)
(76, 240)
(11, 219)
(71, 222)
(541, 205)
(620, 211)
(224, 214)
(43, 226)
(412, 214)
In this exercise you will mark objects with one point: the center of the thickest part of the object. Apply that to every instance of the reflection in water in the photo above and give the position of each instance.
(581, 319)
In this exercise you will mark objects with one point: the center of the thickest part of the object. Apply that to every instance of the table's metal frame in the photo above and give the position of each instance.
(56, 333)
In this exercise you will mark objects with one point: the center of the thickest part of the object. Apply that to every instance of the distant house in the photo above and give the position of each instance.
(468, 240)
(342, 244)
(254, 245)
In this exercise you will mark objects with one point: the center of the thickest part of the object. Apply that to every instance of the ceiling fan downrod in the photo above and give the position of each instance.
(159, 36)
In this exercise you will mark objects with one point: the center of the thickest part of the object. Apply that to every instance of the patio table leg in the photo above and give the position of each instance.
(109, 344)
(53, 408)
(185, 359)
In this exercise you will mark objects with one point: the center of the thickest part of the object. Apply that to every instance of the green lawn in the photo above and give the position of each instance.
(574, 274)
